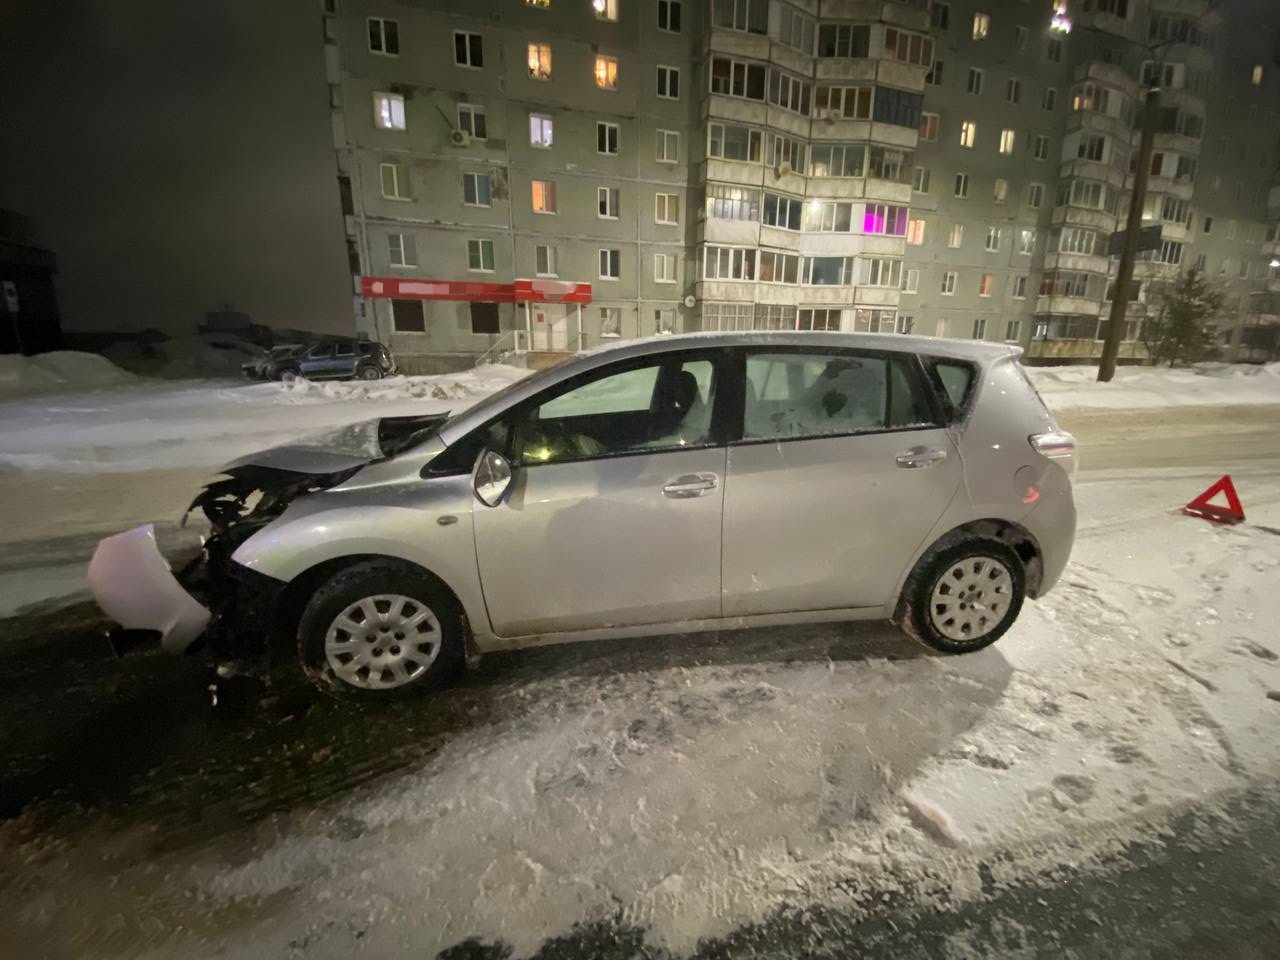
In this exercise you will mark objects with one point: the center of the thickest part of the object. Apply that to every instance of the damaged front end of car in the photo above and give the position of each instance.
(212, 603)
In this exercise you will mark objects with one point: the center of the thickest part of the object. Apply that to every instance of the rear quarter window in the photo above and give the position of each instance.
(954, 382)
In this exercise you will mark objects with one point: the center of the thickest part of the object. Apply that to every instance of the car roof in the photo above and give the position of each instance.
(977, 351)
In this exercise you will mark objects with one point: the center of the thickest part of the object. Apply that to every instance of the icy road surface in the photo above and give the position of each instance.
(662, 794)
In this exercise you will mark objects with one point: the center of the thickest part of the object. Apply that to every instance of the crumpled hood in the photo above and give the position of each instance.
(345, 448)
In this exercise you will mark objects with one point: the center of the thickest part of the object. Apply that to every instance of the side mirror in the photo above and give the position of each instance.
(491, 477)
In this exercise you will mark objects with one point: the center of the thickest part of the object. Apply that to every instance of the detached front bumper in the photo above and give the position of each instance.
(134, 586)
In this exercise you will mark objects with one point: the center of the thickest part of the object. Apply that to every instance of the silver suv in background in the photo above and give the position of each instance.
(670, 485)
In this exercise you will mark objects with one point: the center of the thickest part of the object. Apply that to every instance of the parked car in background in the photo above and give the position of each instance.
(338, 360)
(671, 485)
(264, 368)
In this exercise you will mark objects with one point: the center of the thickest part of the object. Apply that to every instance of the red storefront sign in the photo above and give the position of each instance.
(401, 288)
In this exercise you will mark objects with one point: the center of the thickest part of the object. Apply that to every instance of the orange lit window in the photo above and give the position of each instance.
(607, 73)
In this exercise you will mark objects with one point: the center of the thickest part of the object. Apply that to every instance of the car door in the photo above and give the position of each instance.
(315, 362)
(344, 360)
(840, 470)
(613, 515)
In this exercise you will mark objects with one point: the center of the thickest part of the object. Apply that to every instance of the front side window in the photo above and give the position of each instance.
(795, 395)
(662, 405)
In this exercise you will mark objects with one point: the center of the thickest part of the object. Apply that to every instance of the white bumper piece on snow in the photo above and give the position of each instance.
(134, 586)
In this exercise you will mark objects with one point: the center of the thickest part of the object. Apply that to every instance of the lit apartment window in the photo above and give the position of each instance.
(606, 72)
(540, 61)
(402, 250)
(541, 130)
(981, 26)
(993, 239)
(480, 256)
(1026, 241)
(956, 237)
(1006, 141)
(1256, 76)
(468, 50)
(608, 200)
(1035, 195)
(1020, 287)
(544, 260)
(668, 82)
(1050, 99)
(1020, 35)
(395, 181)
(610, 264)
(388, 111)
(666, 208)
(920, 179)
(975, 80)
(384, 36)
(607, 138)
(986, 284)
(475, 190)
(962, 185)
(1013, 90)
(1001, 192)
(667, 149)
(544, 196)
(968, 133)
(605, 9)
(1042, 147)
(471, 120)
(915, 232)
(948, 283)
(664, 268)
(929, 126)
(669, 15)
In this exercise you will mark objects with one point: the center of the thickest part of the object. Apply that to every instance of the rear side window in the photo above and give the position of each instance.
(954, 381)
(791, 395)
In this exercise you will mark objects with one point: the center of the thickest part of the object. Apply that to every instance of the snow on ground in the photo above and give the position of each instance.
(58, 370)
(1143, 387)
(153, 425)
(687, 786)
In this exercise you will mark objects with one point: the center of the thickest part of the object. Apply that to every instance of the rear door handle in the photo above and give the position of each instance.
(918, 458)
(690, 485)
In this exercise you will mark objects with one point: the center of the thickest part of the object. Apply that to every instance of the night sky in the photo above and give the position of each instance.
(175, 156)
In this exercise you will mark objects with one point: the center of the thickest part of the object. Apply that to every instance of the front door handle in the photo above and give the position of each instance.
(918, 458)
(690, 485)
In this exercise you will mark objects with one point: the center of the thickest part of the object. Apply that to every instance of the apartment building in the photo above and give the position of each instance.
(541, 175)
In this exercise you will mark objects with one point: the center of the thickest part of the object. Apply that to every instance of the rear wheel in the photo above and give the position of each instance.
(287, 374)
(369, 372)
(380, 630)
(965, 596)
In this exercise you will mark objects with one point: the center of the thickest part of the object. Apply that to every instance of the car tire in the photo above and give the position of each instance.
(369, 372)
(363, 633)
(964, 595)
(288, 375)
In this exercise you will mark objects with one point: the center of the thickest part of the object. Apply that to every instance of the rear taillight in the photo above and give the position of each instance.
(1056, 445)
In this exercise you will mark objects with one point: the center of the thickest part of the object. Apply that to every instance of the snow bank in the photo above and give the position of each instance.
(159, 425)
(207, 356)
(58, 370)
(1132, 387)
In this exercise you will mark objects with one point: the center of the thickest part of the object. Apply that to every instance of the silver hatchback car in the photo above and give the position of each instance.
(668, 485)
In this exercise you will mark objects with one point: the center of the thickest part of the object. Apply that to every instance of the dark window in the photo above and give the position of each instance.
(908, 407)
(407, 316)
(344, 196)
(654, 406)
(345, 350)
(898, 107)
(484, 318)
(953, 380)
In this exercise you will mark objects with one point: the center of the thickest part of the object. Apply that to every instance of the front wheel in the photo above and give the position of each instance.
(369, 372)
(380, 630)
(965, 596)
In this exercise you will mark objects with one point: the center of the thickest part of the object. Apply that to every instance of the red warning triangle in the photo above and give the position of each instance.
(1201, 507)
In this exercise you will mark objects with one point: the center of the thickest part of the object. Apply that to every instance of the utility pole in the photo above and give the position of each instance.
(1133, 226)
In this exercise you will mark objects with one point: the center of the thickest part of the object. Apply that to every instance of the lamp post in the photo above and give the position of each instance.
(1061, 23)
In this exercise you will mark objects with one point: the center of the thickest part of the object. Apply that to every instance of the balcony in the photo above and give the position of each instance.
(1069, 306)
(733, 291)
(1084, 217)
(735, 233)
(1077, 262)
(876, 296)
(1109, 74)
